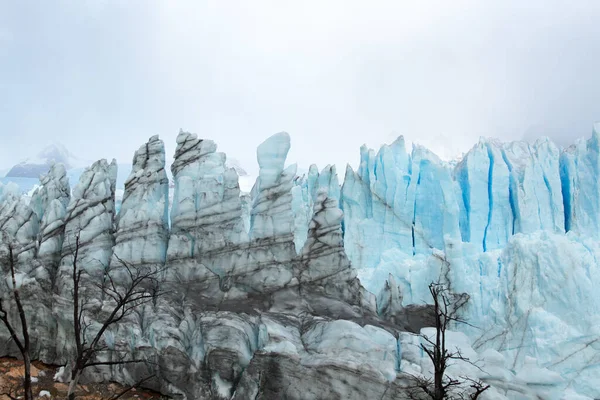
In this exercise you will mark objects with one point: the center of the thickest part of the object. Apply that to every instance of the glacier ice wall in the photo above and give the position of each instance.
(514, 225)
(413, 200)
(268, 282)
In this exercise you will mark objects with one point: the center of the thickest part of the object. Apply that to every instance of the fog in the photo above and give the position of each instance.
(103, 76)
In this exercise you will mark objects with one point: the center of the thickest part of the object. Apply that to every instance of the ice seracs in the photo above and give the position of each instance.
(484, 196)
(304, 196)
(89, 219)
(19, 224)
(207, 228)
(324, 262)
(271, 234)
(267, 283)
(50, 202)
(271, 209)
(535, 179)
(516, 201)
(142, 226)
(580, 169)
(388, 203)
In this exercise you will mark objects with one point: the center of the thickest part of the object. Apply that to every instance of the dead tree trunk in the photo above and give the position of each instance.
(23, 342)
(130, 293)
(446, 306)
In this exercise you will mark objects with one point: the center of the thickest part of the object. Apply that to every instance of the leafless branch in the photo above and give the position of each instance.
(119, 362)
(23, 343)
(446, 306)
(126, 294)
(127, 390)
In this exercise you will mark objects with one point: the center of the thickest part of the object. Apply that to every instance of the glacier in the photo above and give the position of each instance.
(308, 289)
(513, 225)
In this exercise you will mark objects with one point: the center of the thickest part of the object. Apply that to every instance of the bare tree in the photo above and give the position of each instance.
(131, 289)
(446, 306)
(22, 342)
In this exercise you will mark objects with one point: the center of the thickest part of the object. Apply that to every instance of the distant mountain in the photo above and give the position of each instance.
(39, 165)
(237, 166)
(28, 171)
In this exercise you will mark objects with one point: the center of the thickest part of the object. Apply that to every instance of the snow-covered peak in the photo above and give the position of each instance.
(237, 166)
(55, 152)
(34, 166)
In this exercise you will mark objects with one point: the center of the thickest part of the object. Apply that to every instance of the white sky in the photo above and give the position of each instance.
(103, 76)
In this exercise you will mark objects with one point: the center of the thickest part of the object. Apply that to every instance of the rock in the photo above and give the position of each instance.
(61, 387)
(19, 371)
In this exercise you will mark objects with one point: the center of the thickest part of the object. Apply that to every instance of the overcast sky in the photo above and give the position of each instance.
(103, 76)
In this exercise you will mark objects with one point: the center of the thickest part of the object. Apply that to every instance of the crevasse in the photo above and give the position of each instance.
(519, 233)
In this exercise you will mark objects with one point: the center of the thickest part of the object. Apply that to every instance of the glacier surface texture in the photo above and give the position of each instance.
(308, 289)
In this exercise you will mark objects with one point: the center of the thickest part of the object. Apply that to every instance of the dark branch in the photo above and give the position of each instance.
(127, 390)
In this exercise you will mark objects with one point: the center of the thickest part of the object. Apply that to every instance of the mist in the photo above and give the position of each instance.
(102, 77)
